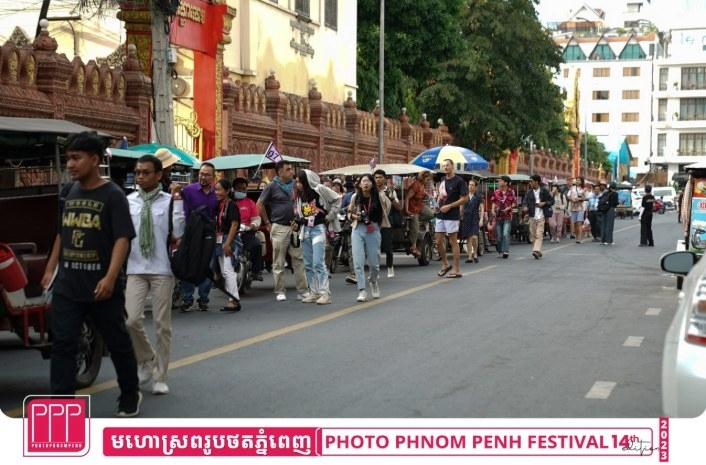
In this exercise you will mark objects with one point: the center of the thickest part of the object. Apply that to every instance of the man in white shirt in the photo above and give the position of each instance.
(149, 269)
(537, 203)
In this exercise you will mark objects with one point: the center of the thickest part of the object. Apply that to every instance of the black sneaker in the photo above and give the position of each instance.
(505, 255)
(129, 405)
(257, 277)
(185, 307)
(203, 306)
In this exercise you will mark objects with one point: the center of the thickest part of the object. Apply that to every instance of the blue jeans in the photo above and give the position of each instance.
(187, 291)
(502, 235)
(366, 243)
(314, 250)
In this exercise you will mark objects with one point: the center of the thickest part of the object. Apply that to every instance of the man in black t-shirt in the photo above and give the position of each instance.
(648, 203)
(453, 192)
(92, 244)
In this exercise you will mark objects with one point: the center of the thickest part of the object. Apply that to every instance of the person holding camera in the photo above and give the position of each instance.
(367, 209)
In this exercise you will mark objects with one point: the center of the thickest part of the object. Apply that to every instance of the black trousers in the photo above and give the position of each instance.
(109, 317)
(646, 230)
(594, 217)
(386, 246)
(253, 246)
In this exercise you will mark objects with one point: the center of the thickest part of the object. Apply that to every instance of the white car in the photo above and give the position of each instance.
(684, 355)
(667, 195)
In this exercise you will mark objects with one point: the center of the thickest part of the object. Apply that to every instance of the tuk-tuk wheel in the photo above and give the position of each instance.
(90, 355)
(426, 251)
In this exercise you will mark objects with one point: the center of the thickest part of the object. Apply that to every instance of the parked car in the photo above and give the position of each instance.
(684, 354)
(667, 195)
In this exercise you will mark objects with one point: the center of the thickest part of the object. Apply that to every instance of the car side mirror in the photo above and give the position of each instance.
(678, 262)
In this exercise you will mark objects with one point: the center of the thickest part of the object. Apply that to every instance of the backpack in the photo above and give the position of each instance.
(191, 262)
(604, 202)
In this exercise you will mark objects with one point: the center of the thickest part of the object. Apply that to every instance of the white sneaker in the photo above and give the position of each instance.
(324, 299)
(302, 295)
(375, 289)
(391, 272)
(310, 298)
(362, 296)
(144, 372)
(281, 297)
(160, 388)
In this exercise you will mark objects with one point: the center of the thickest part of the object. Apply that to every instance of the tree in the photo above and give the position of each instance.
(498, 92)
(420, 35)
(597, 154)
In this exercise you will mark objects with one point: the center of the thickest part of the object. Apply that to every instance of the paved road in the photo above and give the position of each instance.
(512, 338)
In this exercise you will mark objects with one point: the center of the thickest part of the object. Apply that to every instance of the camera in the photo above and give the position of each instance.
(364, 217)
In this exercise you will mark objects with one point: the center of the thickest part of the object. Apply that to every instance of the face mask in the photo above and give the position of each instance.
(240, 195)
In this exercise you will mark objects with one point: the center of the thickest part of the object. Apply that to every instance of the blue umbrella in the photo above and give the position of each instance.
(463, 158)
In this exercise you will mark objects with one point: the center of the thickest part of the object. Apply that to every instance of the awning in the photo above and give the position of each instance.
(391, 169)
(244, 161)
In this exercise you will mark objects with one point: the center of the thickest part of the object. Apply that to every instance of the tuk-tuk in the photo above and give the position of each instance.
(401, 242)
(31, 176)
(624, 208)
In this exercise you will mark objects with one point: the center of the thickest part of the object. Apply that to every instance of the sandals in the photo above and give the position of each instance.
(442, 272)
(228, 309)
(454, 275)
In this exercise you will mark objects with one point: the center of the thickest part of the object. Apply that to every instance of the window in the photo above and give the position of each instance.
(631, 71)
(566, 72)
(602, 52)
(302, 7)
(600, 117)
(601, 95)
(632, 52)
(631, 117)
(663, 76)
(693, 78)
(631, 94)
(692, 144)
(331, 14)
(634, 7)
(601, 72)
(662, 109)
(573, 53)
(691, 109)
(633, 139)
(661, 144)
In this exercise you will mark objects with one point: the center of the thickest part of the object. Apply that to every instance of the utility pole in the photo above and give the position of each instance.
(381, 129)
(161, 77)
(585, 147)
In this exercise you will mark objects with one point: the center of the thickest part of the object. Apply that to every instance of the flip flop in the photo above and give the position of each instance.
(454, 275)
(443, 271)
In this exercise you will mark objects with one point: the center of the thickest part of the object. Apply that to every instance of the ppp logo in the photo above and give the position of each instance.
(56, 426)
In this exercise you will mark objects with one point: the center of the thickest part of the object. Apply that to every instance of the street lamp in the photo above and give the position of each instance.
(381, 130)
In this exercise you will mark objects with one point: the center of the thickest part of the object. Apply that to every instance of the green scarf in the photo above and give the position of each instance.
(146, 233)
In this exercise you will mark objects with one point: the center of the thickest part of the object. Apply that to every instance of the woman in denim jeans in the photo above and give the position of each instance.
(313, 205)
(366, 211)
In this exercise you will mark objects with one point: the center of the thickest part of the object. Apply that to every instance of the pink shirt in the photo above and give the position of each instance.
(248, 210)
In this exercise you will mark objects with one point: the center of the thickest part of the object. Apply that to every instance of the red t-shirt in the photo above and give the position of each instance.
(248, 210)
(416, 197)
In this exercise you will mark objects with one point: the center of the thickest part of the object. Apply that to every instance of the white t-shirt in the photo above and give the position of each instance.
(538, 212)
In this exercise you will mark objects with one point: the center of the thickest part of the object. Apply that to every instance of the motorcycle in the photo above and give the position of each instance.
(340, 244)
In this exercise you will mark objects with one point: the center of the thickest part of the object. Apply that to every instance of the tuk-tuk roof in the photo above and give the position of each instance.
(42, 126)
(696, 166)
(391, 169)
(124, 153)
(243, 161)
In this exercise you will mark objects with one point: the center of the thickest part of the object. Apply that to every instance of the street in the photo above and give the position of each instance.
(576, 334)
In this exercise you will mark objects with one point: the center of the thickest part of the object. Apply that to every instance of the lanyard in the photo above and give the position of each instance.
(221, 214)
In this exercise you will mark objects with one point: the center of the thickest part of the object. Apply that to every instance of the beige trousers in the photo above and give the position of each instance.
(280, 236)
(536, 234)
(138, 286)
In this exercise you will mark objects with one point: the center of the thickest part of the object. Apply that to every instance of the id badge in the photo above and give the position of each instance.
(310, 221)
(371, 229)
(219, 238)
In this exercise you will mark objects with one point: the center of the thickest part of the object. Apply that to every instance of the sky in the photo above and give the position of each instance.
(670, 13)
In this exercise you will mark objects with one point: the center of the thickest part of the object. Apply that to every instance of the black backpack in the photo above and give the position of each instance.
(604, 202)
(191, 262)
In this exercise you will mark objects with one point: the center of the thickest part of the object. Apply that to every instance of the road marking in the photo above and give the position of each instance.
(633, 341)
(600, 390)
(232, 347)
(653, 311)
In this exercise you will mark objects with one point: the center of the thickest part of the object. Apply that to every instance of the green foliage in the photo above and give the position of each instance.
(484, 66)
(597, 154)
(419, 36)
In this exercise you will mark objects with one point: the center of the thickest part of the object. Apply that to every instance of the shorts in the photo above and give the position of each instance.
(447, 226)
(577, 217)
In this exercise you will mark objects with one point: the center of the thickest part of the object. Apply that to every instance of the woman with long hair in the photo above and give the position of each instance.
(472, 213)
(315, 204)
(227, 224)
(366, 211)
(556, 222)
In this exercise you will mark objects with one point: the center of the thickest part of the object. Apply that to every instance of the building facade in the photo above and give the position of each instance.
(612, 73)
(679, 103)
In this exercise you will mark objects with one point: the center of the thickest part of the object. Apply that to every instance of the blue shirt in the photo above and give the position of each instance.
(194, 197)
